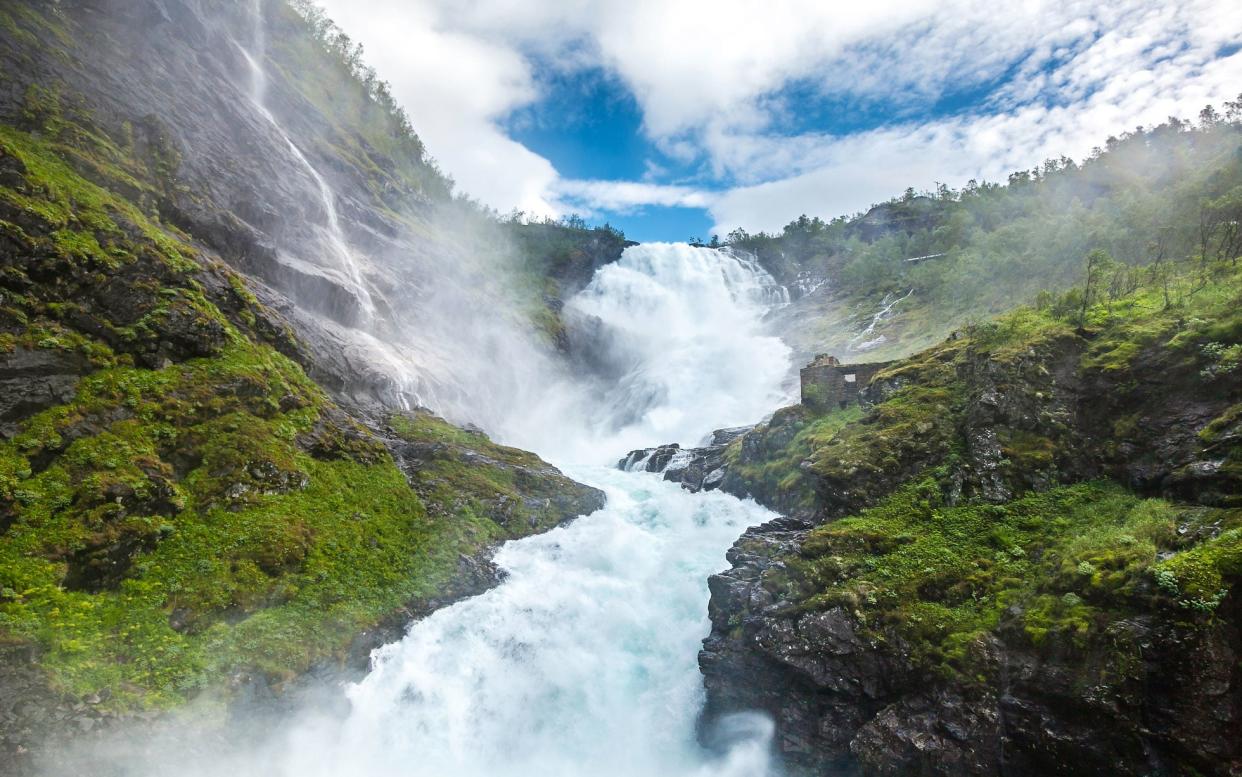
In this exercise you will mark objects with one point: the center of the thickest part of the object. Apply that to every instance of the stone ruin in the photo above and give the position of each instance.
(827, 384)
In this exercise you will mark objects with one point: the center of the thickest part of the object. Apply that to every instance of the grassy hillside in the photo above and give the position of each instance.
(178, 501)
(1151, 199)
(989, 475)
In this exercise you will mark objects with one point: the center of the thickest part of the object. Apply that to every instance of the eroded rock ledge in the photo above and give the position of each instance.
(1021, 557)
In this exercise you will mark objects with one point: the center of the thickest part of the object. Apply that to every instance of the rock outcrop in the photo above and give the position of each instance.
(696, 469)
(994, 604)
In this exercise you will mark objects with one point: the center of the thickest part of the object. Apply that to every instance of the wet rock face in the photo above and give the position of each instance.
(540, 496)
(696, 469)
(845, 703)
(1044, 719)
(169, 79)
(34, 380)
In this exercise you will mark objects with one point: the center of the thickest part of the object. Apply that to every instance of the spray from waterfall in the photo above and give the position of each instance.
(583, 661)
(678, 334)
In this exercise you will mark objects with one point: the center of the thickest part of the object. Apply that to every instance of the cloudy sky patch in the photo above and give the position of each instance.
(676, 118)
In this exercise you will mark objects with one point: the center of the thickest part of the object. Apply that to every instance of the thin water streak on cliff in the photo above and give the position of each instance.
(345, 256)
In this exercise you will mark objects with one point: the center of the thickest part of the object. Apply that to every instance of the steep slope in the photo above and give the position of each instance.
(258, 131)
(1021, 556)
(179, 501)
(206, 483)
(902, 276)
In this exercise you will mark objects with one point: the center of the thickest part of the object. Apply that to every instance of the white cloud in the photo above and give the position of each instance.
(1116, 88)
(455, 86)
(708, 76)
(626, 195)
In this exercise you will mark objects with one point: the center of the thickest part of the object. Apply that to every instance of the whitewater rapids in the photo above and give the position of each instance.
(583, 661)
(581, 664)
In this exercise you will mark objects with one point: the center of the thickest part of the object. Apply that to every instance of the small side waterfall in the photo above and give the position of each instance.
(348, 263)
(860, 341)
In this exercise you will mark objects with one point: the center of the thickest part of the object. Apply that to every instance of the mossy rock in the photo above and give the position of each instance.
(191, 504)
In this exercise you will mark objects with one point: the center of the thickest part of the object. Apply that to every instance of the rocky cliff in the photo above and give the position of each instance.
(1022, 557)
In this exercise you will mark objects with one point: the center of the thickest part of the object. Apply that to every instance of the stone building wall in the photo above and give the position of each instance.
(827, 384)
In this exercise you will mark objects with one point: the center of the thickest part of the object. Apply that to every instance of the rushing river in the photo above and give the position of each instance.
(583, 662)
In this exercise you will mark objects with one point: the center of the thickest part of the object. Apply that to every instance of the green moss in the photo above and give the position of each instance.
(85, 221)
(1027, 450)
(240, 539)
(24, 22)
(464, 472)
(779, 469)
(931, 571)
(1013, 336)
(1200, 578)
(912, 424)
(1064, 563)
(172, 525)
(1223, 428)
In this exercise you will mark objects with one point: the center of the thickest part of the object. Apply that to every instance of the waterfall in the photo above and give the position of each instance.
(347, 261)
(683, 330)
(583, 661)
(886, 306)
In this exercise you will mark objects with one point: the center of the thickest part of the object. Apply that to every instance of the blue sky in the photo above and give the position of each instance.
(675, 119)
(590, 126)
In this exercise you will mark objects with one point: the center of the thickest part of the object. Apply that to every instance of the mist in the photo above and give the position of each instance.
(440, 313)
(584, 658)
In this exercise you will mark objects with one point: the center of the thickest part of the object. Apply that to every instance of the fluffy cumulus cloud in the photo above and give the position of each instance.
(456, 86)
(768, 110)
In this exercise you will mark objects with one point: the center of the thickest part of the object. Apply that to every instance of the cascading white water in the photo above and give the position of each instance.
(679, 329)
(583, 662)
(863, 340)
(347, 261)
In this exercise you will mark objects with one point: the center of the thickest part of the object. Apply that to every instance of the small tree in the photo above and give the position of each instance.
(1159, 271)
(1099, 268)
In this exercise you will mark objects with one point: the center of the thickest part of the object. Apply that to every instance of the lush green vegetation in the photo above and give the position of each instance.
(1149, 200)
(198, 506)
(932, 541)
(461, 472)
(171, 525)
(792, 436)
(1062, 566)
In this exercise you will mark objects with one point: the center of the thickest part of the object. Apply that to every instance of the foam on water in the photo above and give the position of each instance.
(583, 663)
(584, 660)
(680, 328)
